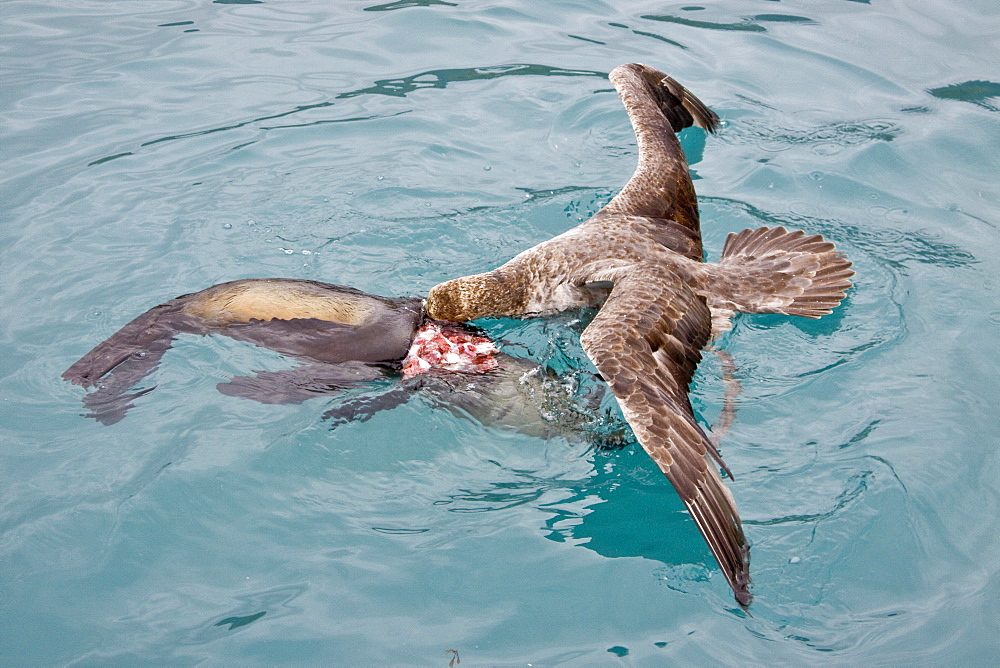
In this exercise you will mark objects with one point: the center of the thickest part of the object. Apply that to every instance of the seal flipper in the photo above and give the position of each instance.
(772, 270)
(293, 386)
(124, 359)
(134, 351)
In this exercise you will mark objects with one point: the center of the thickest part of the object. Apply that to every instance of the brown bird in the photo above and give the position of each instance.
(640, 260)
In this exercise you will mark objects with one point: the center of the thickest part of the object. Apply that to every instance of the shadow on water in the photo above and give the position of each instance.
(631, 511)
(623, 508)
(976, 92)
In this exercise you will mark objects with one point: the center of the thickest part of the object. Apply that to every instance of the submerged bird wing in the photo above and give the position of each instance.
(646, 342)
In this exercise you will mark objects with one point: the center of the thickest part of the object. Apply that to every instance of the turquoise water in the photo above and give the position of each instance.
(153, 149)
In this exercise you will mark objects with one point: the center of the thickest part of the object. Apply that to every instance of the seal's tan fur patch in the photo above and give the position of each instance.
(262, 300)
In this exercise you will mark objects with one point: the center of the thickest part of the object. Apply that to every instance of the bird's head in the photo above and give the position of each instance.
(473, 297)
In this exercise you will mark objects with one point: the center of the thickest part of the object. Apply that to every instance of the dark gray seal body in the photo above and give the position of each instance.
(344, 335)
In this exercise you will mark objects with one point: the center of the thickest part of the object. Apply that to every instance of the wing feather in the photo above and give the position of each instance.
(646, 342)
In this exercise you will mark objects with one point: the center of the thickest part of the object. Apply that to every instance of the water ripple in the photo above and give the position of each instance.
(405, 4)
(399, 87)
(442, 78)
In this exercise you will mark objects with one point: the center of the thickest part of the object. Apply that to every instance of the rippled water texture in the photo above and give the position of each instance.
(153, 149)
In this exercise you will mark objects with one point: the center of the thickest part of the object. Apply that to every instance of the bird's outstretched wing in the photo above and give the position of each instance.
(660, 189)
(646, 342)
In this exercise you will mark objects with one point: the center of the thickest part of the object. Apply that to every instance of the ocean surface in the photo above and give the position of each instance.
(153, 149)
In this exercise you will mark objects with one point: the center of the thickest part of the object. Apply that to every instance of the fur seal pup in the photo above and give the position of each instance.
(346, 336)
(640, 260)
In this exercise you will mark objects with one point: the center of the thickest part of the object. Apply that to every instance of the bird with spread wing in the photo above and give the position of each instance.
(639, 259)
